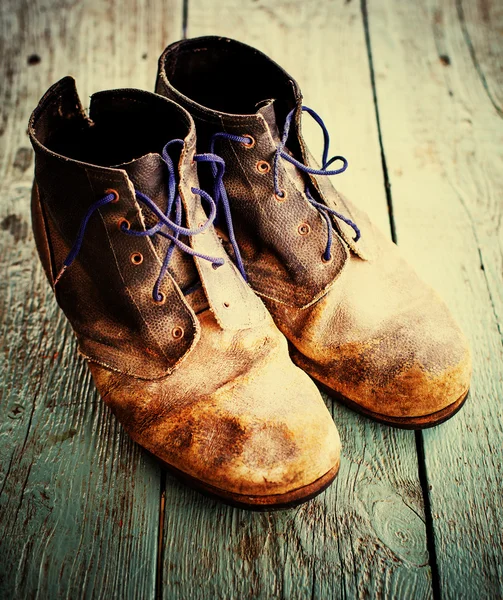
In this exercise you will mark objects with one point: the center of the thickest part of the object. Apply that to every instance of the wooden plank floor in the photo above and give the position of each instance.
(412, 93)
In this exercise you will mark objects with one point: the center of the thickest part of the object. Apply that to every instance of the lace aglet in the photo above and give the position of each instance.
(59, 275)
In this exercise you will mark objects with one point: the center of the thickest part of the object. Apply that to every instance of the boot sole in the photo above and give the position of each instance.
(421, 422)
(257, 503)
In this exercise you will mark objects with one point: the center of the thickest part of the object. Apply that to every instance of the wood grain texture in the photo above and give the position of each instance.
(480, 24)
(479, 41)
(79, 502)
(442, 139)
(365, 536)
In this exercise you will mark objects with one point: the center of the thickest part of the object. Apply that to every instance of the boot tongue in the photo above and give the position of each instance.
(149, 176)
(266, 109)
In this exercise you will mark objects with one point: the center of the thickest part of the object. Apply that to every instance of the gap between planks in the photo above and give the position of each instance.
(421, 461)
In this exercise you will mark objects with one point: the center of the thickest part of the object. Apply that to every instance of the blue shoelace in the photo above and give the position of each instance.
(220, 193)
(166, 219)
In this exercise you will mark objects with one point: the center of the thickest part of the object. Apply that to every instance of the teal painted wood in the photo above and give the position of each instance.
(440, 107)
(79, 502)
(481, 26)
(365, 536)
(360, 538)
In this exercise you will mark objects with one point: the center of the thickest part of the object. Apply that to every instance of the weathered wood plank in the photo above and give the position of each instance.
(365, 537)
(79, 502)
(443, 142)
(480, 23)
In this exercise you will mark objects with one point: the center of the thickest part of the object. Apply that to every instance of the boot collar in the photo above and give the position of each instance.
(244, 59)
(61, 104)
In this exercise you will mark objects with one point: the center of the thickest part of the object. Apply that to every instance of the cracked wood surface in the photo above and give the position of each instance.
(80, 503)
(442, 137)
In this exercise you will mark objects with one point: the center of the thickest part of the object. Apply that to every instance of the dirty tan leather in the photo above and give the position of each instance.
(381, 337)
(237, 414)
(363, 323)
(222, 403)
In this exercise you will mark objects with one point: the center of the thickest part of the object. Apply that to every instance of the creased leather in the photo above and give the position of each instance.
(363, 324)
(223, 404)
(381, 337)
(267, 229)
(107, 299)
(239, 415)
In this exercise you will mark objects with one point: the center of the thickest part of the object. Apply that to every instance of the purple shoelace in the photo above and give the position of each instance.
(166, 220)
(325, 211)
(218, 169)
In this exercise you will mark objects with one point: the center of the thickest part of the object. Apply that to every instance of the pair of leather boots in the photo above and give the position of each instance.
(194, 271)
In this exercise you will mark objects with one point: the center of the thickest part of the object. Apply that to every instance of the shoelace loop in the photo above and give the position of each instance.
(165, 221)
(218, 169)
(281, 153)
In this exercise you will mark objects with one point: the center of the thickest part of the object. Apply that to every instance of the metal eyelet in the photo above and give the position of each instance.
(136, 258)
(249, 144)
(304, 229)
(162, 299)
(177, 332)
(263, 166)
(124, 222)
(115, 193)
(326, 260)
(281, 197)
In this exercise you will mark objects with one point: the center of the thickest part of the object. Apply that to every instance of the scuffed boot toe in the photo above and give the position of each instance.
(413, 374)
(261, 439)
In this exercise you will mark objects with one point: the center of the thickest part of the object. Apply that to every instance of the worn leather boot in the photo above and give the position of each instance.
(359, 319)
(178, 345)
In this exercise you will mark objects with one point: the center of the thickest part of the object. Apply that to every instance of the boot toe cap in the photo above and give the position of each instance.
(414, 371)
(264, 438)
(267, 436)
